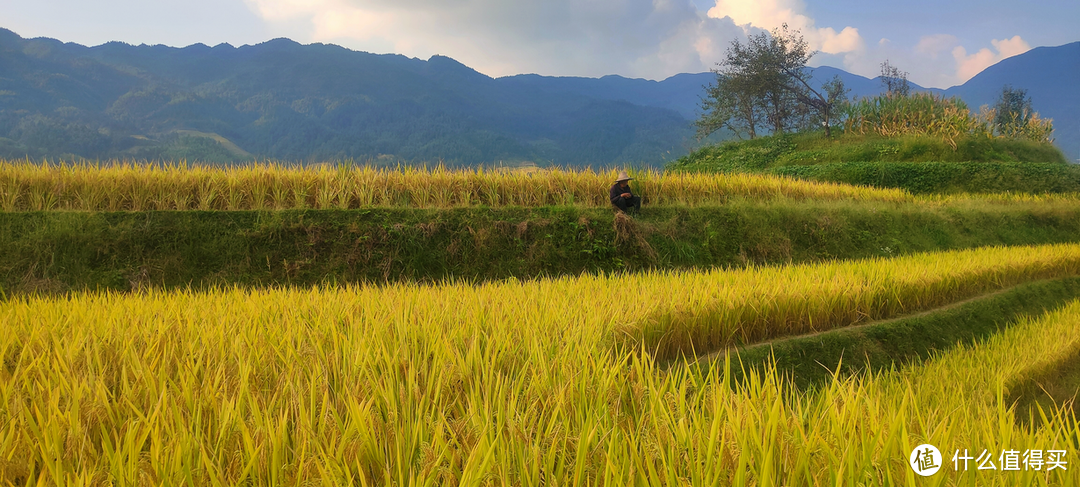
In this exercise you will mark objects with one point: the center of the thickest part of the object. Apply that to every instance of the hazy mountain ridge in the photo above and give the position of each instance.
(284, 100)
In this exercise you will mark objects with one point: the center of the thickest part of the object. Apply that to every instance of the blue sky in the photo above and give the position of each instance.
(939, 43)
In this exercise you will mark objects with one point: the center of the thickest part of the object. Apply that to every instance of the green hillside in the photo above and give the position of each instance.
(917, 164)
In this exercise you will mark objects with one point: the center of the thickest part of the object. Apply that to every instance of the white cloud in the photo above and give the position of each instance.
(1010, 47)
(936, 60)
(968, 65)
(933, 45)
(771, 14)
(639, 38)
(647, 38)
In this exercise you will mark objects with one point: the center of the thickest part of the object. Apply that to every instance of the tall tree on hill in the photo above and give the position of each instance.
(817, 105)
(765, 82)
(824, 104)
(727, 105)
(894, 81)
(1012, 111)
(749, 91)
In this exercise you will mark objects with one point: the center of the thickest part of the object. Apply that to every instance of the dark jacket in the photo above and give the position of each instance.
(617, 191)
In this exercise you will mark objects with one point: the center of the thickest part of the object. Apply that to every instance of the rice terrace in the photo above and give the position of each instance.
(586, 354)
(296, 265)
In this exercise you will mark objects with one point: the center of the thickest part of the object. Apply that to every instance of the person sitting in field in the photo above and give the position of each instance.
(622, 197)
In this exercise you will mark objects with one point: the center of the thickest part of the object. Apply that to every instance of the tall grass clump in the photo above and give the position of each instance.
(927, 114)
(1033, 127)
(141, 187)
(510, 383)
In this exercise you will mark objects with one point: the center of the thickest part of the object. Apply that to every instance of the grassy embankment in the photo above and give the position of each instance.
(58, 251)
(520, 383)
(812, 359)
(920, 164)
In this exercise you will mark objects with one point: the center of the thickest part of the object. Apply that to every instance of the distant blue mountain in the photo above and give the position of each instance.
(860, 86)
(287, 101)
(1051, 76)
(681, 93)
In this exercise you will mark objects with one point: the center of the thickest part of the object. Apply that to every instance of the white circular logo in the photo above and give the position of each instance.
(925, 460)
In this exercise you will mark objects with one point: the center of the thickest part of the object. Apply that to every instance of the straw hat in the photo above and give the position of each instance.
(623, 177)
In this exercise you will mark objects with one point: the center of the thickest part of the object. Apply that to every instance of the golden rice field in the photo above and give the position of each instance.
(134, 187)
(516, 382)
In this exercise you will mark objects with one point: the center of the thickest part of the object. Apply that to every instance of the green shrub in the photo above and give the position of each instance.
(945, 177)
(929, 115)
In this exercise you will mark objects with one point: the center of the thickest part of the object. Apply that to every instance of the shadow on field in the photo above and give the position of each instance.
(1053, 388)
(811, 361)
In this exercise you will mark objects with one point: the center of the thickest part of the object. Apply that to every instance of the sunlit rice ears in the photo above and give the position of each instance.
(125, 185)
(513, 382)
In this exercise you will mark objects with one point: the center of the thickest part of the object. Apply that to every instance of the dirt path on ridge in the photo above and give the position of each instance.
(720, 353)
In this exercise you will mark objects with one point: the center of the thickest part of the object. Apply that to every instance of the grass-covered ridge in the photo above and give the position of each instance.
(71, 250)
(944, 177)
(919, 164)
(812, 148)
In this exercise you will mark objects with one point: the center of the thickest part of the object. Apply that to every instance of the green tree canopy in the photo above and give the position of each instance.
(764, 84)
(1012, 111)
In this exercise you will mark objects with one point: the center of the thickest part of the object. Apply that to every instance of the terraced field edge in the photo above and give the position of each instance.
(812, 360)
(60, 251)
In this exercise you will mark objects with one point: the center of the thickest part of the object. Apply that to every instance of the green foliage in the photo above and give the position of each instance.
(59, 250)
(894, 81)
(1012, 111)
(1013, 117)
(737, 156)
(826, 105)
(764, 84)
(919, 164)
(727, 106)
(811, 148)
(945, 177)
(948, 119)
(919, 114)
(177, 147)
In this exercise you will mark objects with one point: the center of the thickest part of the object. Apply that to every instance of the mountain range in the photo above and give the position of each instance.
(285, 101)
